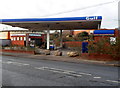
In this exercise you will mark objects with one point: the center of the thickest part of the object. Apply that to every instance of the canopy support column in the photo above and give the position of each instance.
(27, 40)
(48, 38)
(61, 41)
(98, 26)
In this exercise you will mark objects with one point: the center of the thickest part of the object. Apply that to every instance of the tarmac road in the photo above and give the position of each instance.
(19, 71)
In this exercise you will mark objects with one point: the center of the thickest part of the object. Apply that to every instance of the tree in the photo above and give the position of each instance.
(82, 36)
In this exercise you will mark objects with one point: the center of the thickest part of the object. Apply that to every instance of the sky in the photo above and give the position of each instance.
(108, 9)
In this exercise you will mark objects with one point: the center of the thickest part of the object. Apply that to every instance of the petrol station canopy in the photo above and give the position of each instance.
(68, 23)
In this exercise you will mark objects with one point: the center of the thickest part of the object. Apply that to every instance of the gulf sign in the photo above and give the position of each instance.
(93, 17)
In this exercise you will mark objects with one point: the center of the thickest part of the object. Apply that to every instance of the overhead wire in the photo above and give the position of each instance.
(78, 9)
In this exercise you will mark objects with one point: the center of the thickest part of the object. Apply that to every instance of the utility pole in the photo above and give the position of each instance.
(119, 15)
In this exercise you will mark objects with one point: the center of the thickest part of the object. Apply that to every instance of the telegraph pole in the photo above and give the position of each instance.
(119, 15)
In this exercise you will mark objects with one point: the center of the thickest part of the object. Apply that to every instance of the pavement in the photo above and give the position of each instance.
(20, 71)
(61, 58)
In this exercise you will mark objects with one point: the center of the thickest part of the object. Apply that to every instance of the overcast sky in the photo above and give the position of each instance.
(49, 8)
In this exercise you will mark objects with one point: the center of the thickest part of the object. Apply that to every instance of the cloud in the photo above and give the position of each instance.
(44, 8)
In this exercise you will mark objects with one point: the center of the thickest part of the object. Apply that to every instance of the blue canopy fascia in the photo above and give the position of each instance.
(66, 23)
(67, 19)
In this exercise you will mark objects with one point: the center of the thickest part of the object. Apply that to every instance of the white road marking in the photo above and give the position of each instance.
(97, 77)
(85, 74)
(41, 68)
(61, 69)
(58, 71)
(72, 74)
(16, 63)
(67, 71)
(113, 81)
(26, 64)
(9, 62)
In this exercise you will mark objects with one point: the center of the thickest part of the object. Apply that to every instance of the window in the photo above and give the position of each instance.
(21, 38)
(17, 38)
(29, 39)
(24, 38)
(12, 38)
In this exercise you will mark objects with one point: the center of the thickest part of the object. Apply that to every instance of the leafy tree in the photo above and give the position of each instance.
(82, 36)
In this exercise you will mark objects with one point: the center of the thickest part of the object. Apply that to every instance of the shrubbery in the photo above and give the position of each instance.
(103, 46)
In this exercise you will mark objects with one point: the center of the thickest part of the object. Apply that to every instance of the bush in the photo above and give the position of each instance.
(103, 46)
(115, 49)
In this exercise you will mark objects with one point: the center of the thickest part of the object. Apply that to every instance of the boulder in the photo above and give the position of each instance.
(73, 54)
(58, 53)
(47, 52)
(38, 51)
(8, 48)
(15, 48)
(42, 51)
